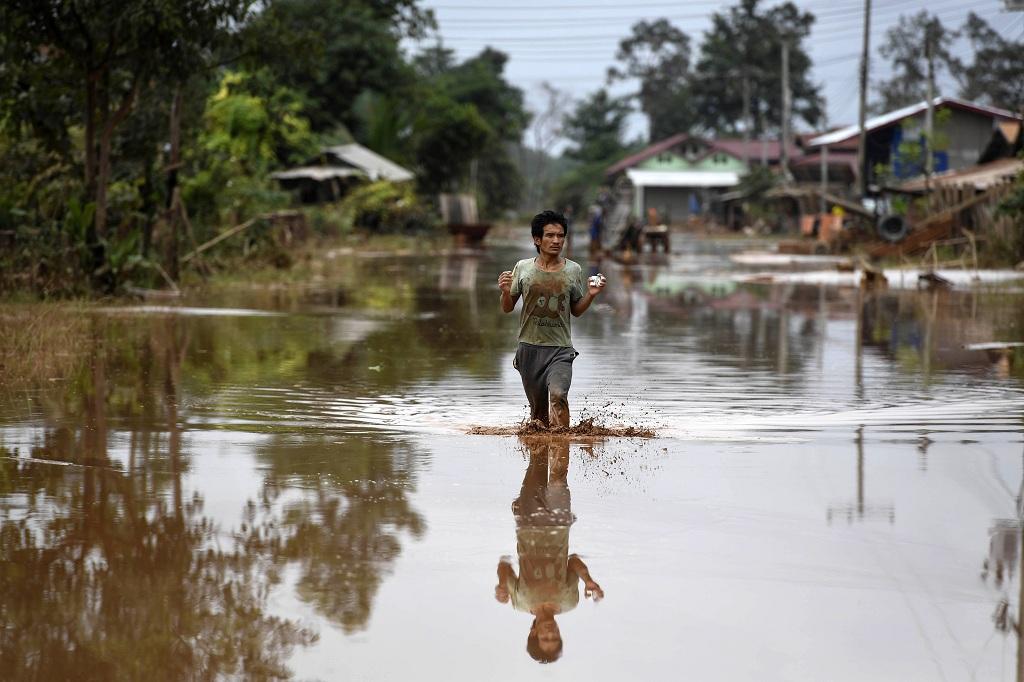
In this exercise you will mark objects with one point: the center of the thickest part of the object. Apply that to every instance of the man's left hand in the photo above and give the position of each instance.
(595, 289)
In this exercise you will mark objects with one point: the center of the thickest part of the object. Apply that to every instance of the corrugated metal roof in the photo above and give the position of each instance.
(318, 173)
(770, 149)
(642, 178)
(892, 117)
(643, 155)
(376, 166)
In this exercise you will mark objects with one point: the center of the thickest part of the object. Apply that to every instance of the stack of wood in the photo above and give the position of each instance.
(950, 208)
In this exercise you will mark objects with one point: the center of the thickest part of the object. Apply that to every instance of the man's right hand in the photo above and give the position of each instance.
(505, 282)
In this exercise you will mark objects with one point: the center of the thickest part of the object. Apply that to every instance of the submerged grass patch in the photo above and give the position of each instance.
(40, 343)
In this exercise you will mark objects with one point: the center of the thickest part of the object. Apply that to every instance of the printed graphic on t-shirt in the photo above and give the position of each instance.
(547, 300)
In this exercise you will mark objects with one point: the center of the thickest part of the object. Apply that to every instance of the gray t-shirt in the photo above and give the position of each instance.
(547, 297)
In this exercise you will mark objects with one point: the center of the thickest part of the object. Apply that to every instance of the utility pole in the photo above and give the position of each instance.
(787, 106)
(746, 118)
(862, 181)
(929, 118)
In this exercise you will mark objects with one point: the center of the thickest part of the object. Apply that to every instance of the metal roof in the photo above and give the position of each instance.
(642, 178)
(318, 173)
(892, 117)
(375, 166)
(735, 147)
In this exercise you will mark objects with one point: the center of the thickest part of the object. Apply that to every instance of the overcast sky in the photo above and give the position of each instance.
(571, 43)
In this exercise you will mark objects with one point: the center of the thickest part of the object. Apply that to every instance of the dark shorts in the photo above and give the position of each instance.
(550, 505)
(547, 374)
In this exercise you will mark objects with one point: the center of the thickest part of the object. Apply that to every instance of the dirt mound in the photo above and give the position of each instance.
(586, 428)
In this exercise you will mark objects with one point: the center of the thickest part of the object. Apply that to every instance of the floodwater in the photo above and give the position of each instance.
(274, 482)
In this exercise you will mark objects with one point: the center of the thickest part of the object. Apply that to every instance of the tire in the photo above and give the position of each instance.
(892, 228)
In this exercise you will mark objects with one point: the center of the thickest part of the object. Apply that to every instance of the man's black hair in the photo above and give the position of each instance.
(547, 218)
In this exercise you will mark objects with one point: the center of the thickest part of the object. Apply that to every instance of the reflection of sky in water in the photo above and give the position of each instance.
(815, 508)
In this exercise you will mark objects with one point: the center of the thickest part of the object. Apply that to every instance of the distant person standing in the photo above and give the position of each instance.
(552, 287)
(596, 228)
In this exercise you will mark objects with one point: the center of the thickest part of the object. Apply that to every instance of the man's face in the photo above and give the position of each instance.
(548, 636)
(553, 240)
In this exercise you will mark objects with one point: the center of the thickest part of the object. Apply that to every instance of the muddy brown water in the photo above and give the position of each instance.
(267, 483)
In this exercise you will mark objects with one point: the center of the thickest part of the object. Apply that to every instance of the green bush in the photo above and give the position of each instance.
(385, 207)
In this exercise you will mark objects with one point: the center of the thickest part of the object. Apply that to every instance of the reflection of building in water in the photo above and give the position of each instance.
(1003, 550)
(925, 329)
(1004, 561)
(547, 583)
(460, 273)
(859, 509)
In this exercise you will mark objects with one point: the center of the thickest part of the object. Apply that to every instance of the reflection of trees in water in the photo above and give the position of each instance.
(757, 337)
(444, 333)
(106, 572)
(115, 571)
(345, 526)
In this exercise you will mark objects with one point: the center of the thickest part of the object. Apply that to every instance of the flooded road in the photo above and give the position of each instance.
(278, 482)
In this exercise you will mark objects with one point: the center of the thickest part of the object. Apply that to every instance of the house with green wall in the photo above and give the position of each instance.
(683, 175)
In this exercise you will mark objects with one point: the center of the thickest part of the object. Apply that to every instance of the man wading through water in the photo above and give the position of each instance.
(551, 287)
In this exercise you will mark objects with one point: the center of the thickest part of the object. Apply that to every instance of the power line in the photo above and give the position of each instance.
(646, 5)
(829, 12)
(831, 21)
(589, 44)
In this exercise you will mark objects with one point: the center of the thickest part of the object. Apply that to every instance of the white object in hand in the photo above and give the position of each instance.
(595, 280)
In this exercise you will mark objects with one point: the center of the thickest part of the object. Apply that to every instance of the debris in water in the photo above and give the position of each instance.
(586, 428)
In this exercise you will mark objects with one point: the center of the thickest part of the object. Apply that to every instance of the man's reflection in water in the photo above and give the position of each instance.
(548, 579)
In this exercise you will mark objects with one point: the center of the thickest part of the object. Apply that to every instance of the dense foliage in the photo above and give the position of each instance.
(125, 125)
(131, 131)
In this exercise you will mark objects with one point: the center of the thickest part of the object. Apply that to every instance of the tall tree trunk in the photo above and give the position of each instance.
(90, 133)
(173, 192)
(91, 238)
(110, 121)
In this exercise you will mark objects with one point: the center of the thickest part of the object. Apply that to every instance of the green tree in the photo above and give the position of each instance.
(101, 56)
(448, 137)
(479, 82)
(385, 124)
(995, 75)
(468, 121)
(596, 128)
(332, 52)
(744, 45)
(657, 54)
(252, 125)
(907, 46)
